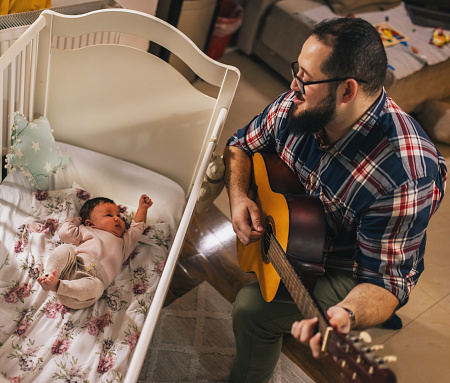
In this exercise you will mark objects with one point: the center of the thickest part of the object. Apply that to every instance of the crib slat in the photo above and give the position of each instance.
(91, 39)
(4, 107)
(12, 93)
(4, 129)
(26, 37)
(33, 61)
(22, 80)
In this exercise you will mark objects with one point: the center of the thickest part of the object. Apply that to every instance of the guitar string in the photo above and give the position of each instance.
(301, 296)
(306, 304)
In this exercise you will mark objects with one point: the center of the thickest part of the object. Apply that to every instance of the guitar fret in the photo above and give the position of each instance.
(295, 287)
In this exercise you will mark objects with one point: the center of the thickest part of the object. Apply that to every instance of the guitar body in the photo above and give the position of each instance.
(291, 250)
(297, 222)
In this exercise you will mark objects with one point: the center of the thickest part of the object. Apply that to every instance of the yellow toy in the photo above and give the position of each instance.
(439, 38)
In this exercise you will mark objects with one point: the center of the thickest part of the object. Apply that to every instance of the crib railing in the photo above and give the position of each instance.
(18, 80)
(18, 72)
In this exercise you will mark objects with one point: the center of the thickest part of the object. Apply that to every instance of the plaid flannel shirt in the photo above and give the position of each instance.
(379, 185)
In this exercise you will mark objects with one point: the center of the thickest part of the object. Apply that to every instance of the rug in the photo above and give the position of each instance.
(194, 342)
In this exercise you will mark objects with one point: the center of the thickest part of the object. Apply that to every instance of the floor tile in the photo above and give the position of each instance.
(422, 348)
(445, 303)
(420, 301)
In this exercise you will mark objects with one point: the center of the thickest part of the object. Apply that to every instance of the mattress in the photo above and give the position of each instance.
(41, 340)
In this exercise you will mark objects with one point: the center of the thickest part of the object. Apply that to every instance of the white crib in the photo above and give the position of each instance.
(123, 114)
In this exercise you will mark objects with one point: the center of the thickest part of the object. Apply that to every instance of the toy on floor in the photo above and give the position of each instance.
(390, 36)
(439, 38)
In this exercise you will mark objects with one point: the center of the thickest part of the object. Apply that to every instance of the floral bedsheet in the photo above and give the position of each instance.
(44, 341)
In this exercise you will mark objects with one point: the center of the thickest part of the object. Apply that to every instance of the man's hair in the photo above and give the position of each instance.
(90, 204)
(357, 51)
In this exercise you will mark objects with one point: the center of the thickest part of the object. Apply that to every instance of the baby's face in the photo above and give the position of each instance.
(106, 217)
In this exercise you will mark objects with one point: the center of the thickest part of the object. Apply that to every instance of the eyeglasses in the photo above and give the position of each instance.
(301, 84)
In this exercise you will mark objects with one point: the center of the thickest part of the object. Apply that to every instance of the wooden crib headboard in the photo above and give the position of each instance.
(120, 100)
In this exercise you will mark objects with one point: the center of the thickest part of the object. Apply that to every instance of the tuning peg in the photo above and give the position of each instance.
(364, 336)
(375, 347)
(390, 359)
(386, 359)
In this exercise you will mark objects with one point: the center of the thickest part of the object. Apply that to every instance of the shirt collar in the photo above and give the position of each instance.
(349, 145)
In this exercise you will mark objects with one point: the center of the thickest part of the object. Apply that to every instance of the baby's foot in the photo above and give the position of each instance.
(49, 282)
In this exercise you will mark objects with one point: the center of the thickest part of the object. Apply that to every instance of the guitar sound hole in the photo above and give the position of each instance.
(266, 242)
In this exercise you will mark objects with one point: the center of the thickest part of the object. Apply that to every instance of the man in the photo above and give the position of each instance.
(379, 178)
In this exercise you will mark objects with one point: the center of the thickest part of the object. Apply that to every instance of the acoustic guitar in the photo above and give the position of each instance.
(290, 251)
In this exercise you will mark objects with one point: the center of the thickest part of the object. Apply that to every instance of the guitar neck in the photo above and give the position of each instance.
(302, 298)
(353, 363)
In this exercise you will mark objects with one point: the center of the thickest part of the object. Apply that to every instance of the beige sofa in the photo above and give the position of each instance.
(275, 30)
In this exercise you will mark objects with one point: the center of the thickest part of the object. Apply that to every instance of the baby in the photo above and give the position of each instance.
(79, 275)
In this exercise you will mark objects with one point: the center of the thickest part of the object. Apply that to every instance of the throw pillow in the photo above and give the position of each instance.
(34, 152)
(345, 7)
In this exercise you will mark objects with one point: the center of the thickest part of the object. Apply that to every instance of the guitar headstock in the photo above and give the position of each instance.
(357, 361)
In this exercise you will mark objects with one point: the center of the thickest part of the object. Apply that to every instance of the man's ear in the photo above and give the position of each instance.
(88, 222)
(350, 89)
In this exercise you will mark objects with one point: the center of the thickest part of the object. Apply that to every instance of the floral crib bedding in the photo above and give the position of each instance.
(44, 341)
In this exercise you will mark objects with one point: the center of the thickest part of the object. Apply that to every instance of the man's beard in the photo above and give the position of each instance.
(313, 120)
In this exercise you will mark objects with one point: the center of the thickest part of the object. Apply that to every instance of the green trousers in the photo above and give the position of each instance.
(259, 326)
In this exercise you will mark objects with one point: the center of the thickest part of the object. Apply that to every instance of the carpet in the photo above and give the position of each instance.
(194, 342)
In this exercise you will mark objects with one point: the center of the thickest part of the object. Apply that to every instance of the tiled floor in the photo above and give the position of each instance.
(423, 345)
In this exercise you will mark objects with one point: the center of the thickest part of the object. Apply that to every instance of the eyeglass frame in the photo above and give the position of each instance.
(301, 84)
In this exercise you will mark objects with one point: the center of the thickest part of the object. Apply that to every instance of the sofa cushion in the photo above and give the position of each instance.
(434, 116)
(345, 7)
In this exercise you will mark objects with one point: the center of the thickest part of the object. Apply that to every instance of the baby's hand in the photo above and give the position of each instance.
(145, 201)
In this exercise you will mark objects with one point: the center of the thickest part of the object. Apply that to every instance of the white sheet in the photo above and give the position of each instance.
(41, 341)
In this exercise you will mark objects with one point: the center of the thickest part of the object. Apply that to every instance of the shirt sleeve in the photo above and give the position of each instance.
(260, 133)
(72, 231)
(392, 237)
(131, 237)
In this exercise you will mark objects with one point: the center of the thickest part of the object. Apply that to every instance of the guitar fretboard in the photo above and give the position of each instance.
(296, 288)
